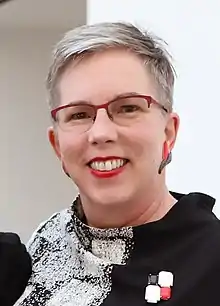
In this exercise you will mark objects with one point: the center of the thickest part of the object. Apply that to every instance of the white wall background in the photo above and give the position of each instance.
(191, 28)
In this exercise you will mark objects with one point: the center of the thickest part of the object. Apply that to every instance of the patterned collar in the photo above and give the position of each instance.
(103, 243)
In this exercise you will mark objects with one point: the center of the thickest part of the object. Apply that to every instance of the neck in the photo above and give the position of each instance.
(129, 213)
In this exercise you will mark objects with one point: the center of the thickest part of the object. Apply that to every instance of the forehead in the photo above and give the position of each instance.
(104, 75)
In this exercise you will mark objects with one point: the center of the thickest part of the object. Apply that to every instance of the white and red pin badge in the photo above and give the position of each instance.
(159, 287)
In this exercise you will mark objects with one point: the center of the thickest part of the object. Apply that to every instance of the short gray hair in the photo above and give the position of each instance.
(89, 39)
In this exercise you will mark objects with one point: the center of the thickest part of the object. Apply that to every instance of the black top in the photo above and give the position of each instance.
(15, 268)
(75, 265)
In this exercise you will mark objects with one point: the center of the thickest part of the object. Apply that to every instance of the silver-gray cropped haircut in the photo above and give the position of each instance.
(89, 39)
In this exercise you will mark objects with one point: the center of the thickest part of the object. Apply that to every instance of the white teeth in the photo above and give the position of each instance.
(101, 166)
(96, 165)
(114, 164)
(108, 165)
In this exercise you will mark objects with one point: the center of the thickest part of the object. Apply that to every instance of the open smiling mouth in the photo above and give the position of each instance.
(108, 165)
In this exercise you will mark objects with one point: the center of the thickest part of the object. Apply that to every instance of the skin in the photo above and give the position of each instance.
(139, 194)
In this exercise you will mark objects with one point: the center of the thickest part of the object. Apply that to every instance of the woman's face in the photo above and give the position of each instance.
(98, 79)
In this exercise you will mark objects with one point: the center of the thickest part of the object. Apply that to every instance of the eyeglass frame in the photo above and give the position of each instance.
(149, 101)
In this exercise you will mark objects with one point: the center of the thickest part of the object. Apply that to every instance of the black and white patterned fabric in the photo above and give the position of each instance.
(75, 265)
(73, 262)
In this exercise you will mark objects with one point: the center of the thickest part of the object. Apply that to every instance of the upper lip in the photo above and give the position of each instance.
(105, 158)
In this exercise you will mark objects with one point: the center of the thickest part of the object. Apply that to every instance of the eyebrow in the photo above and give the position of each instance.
(125, 94)
(115, 97)
(78, 102)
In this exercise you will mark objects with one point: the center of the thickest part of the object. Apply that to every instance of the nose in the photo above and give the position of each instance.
(103, 129)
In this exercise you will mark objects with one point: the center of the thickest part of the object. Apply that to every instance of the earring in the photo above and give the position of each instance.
(167, 157)
(64, 170)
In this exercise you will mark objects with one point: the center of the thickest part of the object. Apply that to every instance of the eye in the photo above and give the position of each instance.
(129, 108)
(78, 113)
(80, 116)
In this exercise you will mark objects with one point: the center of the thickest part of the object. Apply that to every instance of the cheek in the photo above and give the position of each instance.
(145, 142)
(70, 149)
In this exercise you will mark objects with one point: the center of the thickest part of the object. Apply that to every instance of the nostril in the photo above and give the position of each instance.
(97, 142)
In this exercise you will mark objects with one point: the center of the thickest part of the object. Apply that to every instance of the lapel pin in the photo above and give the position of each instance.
(159, 287)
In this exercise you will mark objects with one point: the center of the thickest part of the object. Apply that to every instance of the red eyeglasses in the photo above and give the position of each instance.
(123, 111)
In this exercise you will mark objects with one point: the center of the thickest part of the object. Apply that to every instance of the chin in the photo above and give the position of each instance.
(110, 198)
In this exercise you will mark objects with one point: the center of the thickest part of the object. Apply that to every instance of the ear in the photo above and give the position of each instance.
(53, 139)
(172, 128)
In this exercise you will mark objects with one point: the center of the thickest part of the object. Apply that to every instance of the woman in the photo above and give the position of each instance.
(126, 239)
